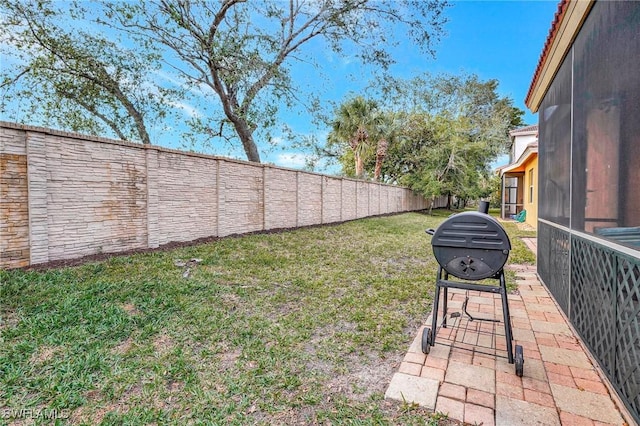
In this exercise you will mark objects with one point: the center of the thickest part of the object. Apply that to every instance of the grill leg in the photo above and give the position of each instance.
(444, 307)
(508, 331)
(503, 285)
(436, 303)
(444, 302)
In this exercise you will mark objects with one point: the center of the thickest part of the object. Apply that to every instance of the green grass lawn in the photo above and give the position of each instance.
(299, 327)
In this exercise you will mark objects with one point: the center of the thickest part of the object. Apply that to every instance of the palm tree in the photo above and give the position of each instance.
(381, 153)
(389, 130)
(354, 123)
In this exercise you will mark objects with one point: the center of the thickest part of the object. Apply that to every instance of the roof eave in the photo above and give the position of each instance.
(529, 152)
(564, 28)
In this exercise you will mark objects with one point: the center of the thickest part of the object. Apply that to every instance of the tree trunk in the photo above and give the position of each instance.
(246, 137)
(359, 166)
(378, 171)
(381, 153)
(357, 145)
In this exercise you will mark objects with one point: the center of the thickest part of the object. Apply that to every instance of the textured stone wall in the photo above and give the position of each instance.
(374, 199)
(349, 200)
(309, 199)
(241, 198)
(187, 196)
(331, 199)
(65, 196)
(14, 199)
(281, 198)
(91, 198)
(362, 203)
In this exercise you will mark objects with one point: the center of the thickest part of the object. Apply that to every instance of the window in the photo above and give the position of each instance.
(531, 186)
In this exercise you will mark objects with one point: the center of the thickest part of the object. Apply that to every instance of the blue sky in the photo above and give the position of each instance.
(499, 40)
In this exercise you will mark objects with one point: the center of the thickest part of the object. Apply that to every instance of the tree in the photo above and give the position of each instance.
(242, 51)
(442, 135)
(381, 153)
(389, 131)
(458, 126)
(75, 79)
(354, 121)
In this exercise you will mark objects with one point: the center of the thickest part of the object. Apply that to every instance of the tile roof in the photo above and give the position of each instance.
(524, 130)
(555, 25)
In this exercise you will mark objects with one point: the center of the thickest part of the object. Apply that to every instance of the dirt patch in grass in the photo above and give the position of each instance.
(228, 359)
(44, 354)
(357, 376)
(8, 319)
(163, 344)
(86, 415)
(123, 347)
(130, 309)
(365, 376)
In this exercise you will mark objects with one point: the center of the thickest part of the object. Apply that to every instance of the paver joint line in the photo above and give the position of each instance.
(560, 384)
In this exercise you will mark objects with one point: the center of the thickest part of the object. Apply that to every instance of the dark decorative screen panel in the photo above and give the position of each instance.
(598, 287)
(627, 375)
(593, 299)
(605, 310)
(554, 261)
(544, 241)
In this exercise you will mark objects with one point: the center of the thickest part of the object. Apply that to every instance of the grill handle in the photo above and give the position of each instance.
(430, 231)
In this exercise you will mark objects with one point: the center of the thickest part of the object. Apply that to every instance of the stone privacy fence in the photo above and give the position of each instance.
(66, 196)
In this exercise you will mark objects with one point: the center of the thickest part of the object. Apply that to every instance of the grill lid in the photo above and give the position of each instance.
(471, 245)
(471, 230)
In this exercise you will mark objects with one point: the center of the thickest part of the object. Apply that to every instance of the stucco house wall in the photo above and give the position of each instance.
(531, 190)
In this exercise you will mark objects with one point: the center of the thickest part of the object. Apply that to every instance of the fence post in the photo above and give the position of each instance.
(152, 197)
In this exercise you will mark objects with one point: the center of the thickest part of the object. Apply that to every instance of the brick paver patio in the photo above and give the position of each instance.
(467, 376)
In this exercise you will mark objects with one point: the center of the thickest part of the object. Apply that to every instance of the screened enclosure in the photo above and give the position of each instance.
(589, 191)
(590, 126)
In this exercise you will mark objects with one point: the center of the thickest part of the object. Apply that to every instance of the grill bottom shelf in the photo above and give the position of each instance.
(477, 332)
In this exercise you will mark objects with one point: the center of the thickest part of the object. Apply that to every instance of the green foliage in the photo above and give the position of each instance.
(353, 127)
(241, 52)
(495, 191)
(75, 78)
(448, 131)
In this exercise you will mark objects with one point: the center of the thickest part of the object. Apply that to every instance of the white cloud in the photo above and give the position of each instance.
(291, 160)
(277, 140)
(167, 77)
(189, 110)
(198, 90)
(341, 60)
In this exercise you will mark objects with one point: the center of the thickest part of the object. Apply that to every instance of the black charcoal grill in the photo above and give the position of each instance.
(471, 246)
